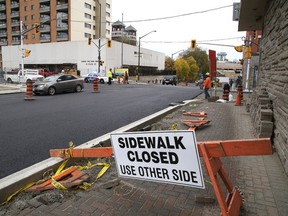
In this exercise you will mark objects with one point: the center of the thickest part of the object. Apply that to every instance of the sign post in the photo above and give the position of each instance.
(164, 156)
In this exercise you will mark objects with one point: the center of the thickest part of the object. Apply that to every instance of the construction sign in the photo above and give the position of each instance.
(161, 156)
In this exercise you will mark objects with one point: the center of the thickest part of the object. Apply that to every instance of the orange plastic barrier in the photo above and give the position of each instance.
(194, 124)
(196, 114)
(69, 178)
(95, 85)
(211, 151)
(29, 91)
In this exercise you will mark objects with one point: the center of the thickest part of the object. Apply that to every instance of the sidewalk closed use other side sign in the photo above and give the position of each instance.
(162, 156)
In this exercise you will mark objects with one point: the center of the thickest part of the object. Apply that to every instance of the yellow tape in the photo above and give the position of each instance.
(57, 185)
(17, 192)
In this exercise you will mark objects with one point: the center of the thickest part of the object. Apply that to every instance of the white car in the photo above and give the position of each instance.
(92, 76)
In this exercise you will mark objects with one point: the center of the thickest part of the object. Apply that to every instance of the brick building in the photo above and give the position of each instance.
(272, 77)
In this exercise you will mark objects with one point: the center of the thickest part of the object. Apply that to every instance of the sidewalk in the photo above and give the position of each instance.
(11, 88)
(260, 178)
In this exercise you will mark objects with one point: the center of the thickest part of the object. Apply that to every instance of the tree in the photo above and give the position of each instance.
(182, 69)
(169, 63)
(193, 72)
(201, 58)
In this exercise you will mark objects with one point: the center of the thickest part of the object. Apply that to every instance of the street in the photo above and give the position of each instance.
(30, 128)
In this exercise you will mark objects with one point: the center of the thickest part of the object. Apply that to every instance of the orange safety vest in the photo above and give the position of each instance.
(207, 83)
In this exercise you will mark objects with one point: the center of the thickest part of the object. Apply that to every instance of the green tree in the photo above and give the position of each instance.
(193, 72)
(201, 58)
(182, 69)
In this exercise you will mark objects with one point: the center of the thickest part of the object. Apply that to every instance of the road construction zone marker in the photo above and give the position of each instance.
(29, 91)
(196, 114)
(95, 85)
(154, 156)
(194, 124)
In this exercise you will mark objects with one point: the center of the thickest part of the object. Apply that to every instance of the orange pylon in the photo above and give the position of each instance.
(238, 100)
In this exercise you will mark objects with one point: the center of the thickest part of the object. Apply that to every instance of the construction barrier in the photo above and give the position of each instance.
(119, 79)
(226, 95)
(95, 85)
(29, 90)
(240, 91)
(211, 151)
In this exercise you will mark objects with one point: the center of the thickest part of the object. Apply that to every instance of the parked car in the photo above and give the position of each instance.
(92, 76)
(58, 83)
(170, 79)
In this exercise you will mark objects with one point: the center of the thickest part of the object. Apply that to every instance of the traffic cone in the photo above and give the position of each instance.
(238, 100)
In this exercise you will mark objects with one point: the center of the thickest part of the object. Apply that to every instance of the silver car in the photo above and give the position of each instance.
(58, 83)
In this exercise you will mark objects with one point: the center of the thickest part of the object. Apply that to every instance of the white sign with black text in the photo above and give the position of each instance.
(162, 156)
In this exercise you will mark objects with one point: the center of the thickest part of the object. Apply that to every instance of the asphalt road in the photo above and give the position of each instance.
(28, 129)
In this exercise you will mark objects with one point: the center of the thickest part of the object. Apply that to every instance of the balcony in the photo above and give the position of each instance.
(62, 37)
(15, 33)
(3, 16)
(45, 38)
(62, 27)
(2, 8)
(16, 41)
(44, 9)
(3, 25)
(62, 7)
(15, 14)
(15, 23)
(14, 5)
(3, 34)
(45, 28)
(43, 1)
(3, 43)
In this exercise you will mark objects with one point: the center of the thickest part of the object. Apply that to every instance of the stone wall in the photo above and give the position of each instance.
(273, 73)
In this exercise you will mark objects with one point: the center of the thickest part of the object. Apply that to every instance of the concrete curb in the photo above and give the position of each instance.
(16, 181)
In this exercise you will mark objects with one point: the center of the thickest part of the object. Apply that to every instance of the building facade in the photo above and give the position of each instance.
(58, 20)
(272, 80)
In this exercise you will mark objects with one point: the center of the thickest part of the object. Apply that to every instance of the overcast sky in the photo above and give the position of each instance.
(175, 34)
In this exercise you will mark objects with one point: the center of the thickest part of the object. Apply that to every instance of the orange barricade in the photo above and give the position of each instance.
(29, 90)
(211, 151)
(226, 95)
(197, 114)
(240, 91)
(95, 85)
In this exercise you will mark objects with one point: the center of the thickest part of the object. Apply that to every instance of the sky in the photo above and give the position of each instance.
(175, 34)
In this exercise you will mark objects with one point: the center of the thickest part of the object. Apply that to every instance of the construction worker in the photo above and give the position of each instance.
(207, 85)
(110, 76)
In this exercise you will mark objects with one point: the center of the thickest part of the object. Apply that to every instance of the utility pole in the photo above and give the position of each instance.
(122, 42)
(21, 46)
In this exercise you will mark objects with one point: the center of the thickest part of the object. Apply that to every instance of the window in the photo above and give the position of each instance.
(87, 35)
(32, 7)
(107, 5)
(88, 16)
(87, 5)
(87, 25)
(33, 36)
(107, 31)
(108, 23)
(32, 17)
(25, 8)
(107, 14)
(26, 18)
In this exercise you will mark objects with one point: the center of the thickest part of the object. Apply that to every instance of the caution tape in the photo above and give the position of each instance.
(17, 192)
(61, 169)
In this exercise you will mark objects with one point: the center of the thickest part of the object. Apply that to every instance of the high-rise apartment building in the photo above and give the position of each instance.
(58, 20)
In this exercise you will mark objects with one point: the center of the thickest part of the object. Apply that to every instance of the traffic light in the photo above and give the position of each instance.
(36, 28)
(27, 53)
(193, 44)
(238, 48)
(255, 34)
(89, 40)
(109, 43)
(247, 54)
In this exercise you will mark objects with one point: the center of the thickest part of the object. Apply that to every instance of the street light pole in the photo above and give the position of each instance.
(172, 59)
(139, 49)
(99, 41)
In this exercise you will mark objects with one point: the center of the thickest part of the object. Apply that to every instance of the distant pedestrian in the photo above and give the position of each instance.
(207, 85)
(110, 76)
(126, 77)
(231, 83)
